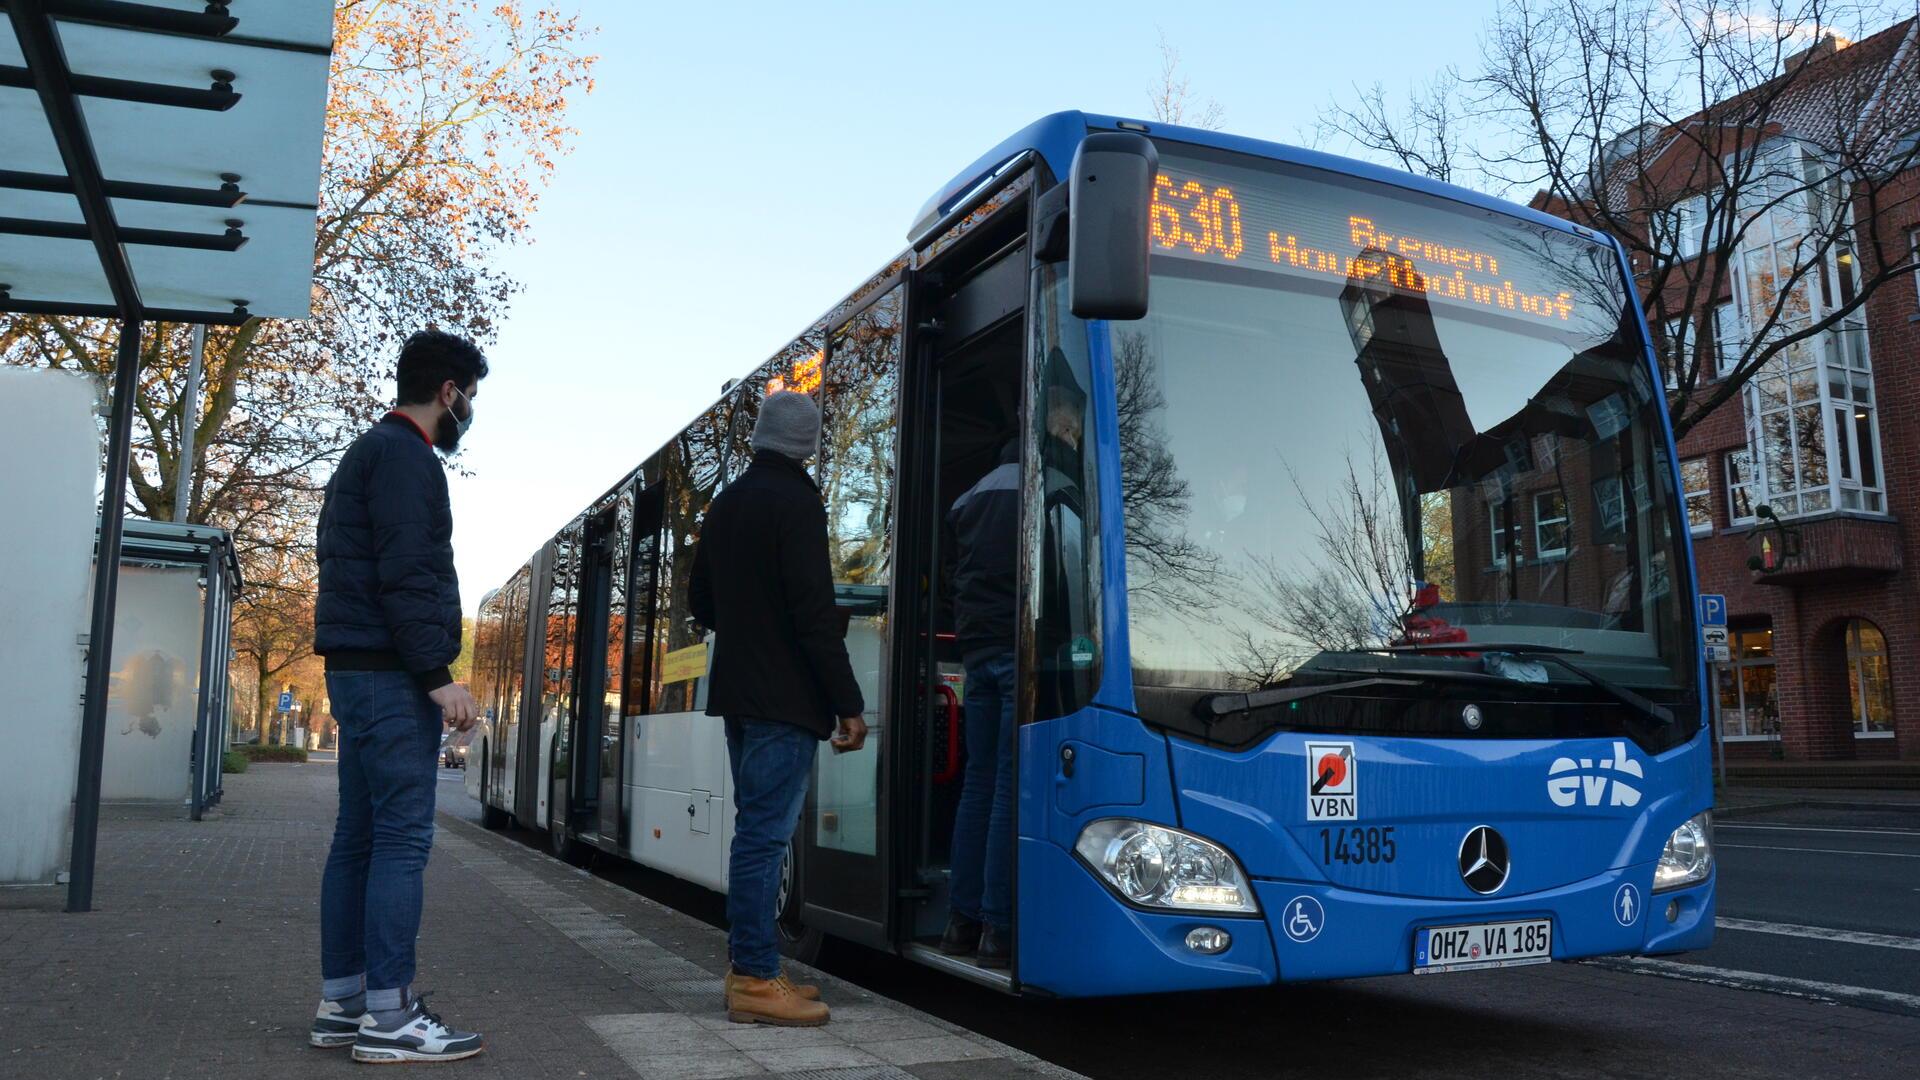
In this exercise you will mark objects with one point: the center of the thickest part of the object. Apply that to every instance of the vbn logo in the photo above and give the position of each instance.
(1570, 781)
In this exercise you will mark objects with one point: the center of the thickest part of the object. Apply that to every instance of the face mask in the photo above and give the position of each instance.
(452, 426)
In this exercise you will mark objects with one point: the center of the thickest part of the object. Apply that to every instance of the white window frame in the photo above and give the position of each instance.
(1501, 551)
(1563, 519)
(1796, 387)
(1725, 321)
(1680, 338)
(1688, 494)
(1913, 252)
(1735, 484)
(1855, 654)
(1687, 217)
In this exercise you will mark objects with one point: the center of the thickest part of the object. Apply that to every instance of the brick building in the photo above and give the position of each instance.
(1825, 647)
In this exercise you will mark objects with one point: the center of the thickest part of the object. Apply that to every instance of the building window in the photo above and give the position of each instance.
(1501, 517)
(1550, 524)
(1728, 341)
(1673, 360)
(1696, 481)
(1869, 684)
(1681, 225)
(1748, 706)
(1810, 406)
(1913, 251)
(1740, 487)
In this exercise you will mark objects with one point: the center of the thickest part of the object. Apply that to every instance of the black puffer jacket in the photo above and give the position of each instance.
(762, 583)
(389, 600)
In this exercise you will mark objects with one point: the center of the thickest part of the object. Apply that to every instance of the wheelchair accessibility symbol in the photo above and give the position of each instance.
(1303, 919)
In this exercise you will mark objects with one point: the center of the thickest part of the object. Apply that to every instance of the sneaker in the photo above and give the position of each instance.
(995, 950)
(771, 1001)
(334, 1027)
(419, 1037)
(962, 936)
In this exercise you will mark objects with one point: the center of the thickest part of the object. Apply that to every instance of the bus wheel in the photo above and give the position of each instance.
(491, 816)
(797, 940)
(565, 847)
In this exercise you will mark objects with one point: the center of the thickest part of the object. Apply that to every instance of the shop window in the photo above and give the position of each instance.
(1869, 682)
(1749, 705)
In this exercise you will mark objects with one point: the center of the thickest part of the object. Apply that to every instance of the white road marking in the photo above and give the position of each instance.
(1820, 828)
(1812, 989)
(1820, 933)
(1824, 851)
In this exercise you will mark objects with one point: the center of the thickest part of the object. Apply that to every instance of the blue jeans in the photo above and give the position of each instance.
(370, 894)
(982, 882)
(772, 764)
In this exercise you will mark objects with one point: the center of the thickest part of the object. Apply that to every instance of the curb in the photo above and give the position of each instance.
(1755, 809)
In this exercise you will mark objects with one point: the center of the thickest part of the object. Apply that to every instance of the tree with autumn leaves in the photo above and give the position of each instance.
(445, 118)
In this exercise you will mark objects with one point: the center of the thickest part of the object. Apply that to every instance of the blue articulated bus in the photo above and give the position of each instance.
(1355, 626)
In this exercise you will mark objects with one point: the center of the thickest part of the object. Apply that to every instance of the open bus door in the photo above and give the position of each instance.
(845, 867)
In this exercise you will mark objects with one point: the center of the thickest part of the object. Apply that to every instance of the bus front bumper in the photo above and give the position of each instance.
(1082, 940)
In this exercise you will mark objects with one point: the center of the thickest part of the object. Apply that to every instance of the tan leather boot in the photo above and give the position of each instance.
(771, 1001)
(807, 991)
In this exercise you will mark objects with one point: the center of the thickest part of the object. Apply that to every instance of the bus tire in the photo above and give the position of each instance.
(798, 941)
(491, 816)
(563, 846)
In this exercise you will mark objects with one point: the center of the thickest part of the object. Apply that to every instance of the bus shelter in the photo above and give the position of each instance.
(168, 698)
(160, 163)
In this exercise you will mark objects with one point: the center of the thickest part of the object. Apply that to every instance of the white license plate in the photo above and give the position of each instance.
(1482, 945)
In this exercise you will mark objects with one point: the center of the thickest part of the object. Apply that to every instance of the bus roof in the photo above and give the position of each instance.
(1055, 138)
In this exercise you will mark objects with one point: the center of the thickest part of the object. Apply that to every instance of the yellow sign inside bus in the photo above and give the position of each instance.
(683, 664)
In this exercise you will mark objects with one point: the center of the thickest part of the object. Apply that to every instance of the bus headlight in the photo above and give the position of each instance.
(1154, 866)
(1688, 856)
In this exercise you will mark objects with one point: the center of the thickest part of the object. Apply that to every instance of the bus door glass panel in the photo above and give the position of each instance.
(640, 691)
(1062, 531)
(680, 645)
(859, 393)
(557, 689)
(613, 646)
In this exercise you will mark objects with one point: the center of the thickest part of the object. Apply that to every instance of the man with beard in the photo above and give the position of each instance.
(388, 624)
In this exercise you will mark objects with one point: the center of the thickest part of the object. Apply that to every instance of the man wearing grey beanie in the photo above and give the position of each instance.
(781, 678)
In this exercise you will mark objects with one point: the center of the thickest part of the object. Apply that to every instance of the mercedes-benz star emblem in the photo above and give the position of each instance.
(1483, 860)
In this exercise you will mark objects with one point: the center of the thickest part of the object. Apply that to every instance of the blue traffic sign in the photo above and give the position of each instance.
(286, 701)
(1713, 609)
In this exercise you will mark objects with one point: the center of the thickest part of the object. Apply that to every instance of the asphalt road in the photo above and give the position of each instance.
(1815, 972)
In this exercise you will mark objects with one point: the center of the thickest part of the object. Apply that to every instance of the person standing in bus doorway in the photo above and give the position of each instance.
(780, 676)
(387, 622)
(985, 524)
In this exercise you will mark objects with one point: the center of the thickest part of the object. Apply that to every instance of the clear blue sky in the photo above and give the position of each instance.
(740, 167)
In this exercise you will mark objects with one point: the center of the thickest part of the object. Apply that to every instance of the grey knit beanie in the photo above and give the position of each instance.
(789, 424)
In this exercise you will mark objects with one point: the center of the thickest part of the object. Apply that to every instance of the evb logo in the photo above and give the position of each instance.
(1595, 782)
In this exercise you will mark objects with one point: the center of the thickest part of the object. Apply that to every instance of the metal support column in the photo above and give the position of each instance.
(106, 580)
(205, 745)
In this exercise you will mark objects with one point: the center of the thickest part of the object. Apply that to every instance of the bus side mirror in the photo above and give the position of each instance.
(1109, 209)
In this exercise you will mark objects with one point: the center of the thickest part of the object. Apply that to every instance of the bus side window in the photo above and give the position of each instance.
(1067, 654)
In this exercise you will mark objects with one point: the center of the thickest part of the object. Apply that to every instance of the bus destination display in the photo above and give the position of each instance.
(1201, 218)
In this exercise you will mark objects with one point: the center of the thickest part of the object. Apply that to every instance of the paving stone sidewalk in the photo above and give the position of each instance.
(201, 960)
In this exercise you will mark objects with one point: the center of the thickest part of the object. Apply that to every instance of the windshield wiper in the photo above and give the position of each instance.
(1551, 654)
(1218, 706)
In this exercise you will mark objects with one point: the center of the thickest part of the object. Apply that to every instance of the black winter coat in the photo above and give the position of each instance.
(389, 599)
(762, 582)
(985, 526)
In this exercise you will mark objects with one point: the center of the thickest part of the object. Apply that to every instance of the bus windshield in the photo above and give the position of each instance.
(1366, 430)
